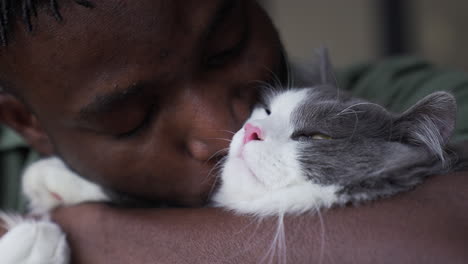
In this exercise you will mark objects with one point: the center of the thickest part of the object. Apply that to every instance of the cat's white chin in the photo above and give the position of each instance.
(242, 192)
(248, 170)
(238, 162)
(264, 178)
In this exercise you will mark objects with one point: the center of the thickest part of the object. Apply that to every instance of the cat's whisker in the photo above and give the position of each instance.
(222, 139)
(275, 78)
(278, 243)
(251, 236)
(349, 111)
(217, 153)
(223, 130)
(268, 92)
(322, 234)
(227, 131)
(217, 166)
(355, 126)
(213, 186)
(282, 240)
(364, 103)
(263, 84)
(253, 220)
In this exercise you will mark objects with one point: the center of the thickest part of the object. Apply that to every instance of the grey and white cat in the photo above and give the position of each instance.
(317, 147)
(301, 150)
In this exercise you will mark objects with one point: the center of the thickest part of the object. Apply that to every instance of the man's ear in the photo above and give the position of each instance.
(16, 115)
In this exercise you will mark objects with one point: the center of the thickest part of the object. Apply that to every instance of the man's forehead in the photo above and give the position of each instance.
(122, 37)
(110, 22)
(115, 23)
(109, 31)
(86, 33)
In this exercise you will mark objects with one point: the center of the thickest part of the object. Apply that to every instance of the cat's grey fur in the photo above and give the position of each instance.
(374, 153)
(371, 153)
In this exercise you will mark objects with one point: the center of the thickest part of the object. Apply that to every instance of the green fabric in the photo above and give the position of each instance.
(14, 156)
(398, 83)
(395, 83)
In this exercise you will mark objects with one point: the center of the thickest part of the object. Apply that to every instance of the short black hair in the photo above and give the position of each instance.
(11, 10)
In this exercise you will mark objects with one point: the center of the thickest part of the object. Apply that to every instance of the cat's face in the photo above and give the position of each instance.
(264, 157)
(315, 145)
(264, 150)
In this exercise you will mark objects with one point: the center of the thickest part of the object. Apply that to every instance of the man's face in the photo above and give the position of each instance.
(141, 96)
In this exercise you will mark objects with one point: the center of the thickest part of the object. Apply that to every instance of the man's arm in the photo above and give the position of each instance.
(427, 225)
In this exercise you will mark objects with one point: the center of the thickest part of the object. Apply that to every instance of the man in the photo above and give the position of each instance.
(135, 95)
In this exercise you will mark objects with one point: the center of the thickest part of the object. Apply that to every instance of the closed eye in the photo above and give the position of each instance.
(221, 57)
(228, 36)
(320, 137)
(140, 126)
(310, 136)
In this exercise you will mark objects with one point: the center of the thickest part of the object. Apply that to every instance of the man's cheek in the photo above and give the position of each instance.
(142, 174)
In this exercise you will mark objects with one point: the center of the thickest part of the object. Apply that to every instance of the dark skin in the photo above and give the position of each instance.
(160, 101)
(136, 98)
(427, 225)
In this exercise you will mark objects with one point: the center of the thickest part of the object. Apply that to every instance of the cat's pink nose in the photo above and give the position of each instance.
(252, 133)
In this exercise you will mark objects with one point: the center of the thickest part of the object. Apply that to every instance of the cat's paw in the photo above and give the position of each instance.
(32, 242)
(48, 183)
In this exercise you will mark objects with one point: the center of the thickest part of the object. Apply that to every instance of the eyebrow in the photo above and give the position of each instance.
(220, 15)
(105, 103)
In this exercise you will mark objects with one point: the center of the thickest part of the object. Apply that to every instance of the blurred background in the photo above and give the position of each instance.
(365, 30)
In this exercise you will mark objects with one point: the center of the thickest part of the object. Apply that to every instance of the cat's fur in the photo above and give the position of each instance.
(318, 147)
(372, 153)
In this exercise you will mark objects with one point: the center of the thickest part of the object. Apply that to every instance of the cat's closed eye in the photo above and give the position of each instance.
(311, 136)
(320, 137)
(267, 111)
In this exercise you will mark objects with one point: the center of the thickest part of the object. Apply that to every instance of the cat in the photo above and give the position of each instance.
(313, 148)
(302, 149)
(308, 148)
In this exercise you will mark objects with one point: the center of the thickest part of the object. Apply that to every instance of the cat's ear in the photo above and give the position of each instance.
(319, 71)
(325, 71)
(430, 122)
(316, 71)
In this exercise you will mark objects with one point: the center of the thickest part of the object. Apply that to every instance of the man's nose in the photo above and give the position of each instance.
(210, 123)
(252, 133)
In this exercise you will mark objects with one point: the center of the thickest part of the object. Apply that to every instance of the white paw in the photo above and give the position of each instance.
(48, 183)
(32, 242)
